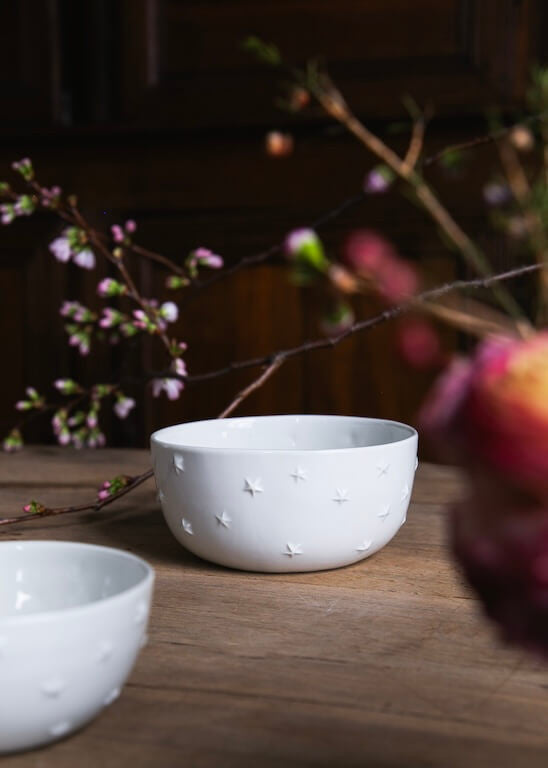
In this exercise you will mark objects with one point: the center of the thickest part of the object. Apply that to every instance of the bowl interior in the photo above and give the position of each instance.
(284, 433)
(36, 577)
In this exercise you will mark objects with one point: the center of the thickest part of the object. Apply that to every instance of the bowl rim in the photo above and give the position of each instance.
(76, 610)
(156, 437)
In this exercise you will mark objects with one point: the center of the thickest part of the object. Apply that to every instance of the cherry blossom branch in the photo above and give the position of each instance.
(95, 506)
(129, 483)
(273, 363)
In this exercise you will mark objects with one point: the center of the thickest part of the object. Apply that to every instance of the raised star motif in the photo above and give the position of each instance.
(298, 474)
(416, 463)
(382, 469)
(178, 463)
(105, 651)
(112, 696)
(160, 495)
(405, 492)
(141, 612)
(253, 486)
(341, 496)
(187, 527)
(223, 519)
(59, 729)
(364, 546)
(404, 518)
(53, 687)
(293, 549)
(383, 514)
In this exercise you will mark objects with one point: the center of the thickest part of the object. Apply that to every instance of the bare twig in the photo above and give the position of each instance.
(335, 106)
(276, 363)
(362, 325)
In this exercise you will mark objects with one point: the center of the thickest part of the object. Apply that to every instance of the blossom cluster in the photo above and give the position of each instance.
(490, 415)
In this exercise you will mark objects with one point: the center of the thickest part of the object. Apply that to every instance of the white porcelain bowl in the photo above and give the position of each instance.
(72, 620)
(285, 493)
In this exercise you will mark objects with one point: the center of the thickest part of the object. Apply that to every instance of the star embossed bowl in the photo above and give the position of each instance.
(285, 493)
(72, 620)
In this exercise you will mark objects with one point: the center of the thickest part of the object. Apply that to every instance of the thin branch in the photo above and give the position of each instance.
(93, 507)
(256, 384)
(362, 325)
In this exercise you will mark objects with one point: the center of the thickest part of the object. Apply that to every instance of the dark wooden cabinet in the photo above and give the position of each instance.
(150, 109)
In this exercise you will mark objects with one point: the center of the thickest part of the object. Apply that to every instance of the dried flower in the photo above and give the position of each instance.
(342, 279)
(522, 138)
(279, 144)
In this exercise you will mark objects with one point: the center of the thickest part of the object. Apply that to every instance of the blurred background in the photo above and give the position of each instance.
(150, 109)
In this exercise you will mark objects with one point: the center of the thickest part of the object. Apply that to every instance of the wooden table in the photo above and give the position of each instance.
(385, 663)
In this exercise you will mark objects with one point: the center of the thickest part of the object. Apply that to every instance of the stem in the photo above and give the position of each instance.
(362, 325)
(241, 396)
(335, 106)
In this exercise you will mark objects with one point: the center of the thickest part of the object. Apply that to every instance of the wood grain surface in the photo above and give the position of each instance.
(384, 663)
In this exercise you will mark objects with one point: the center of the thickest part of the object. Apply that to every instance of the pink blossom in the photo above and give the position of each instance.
(172, 388)
(279, 144)
(60, 247)
(63, 438)
(123, 406)
(498, 420)
(104, 494)
(117, 233)
(169, 311)
(419, 343)
(179, 367)
(378, 180)
(109, 287)
(130, 226)
(110, 318)
(373, 258)
(85, 258)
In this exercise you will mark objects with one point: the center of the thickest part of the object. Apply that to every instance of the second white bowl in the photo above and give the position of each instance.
(72, 620)
(285, 493)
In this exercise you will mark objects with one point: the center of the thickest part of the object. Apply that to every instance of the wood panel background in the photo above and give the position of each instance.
(150, 109)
